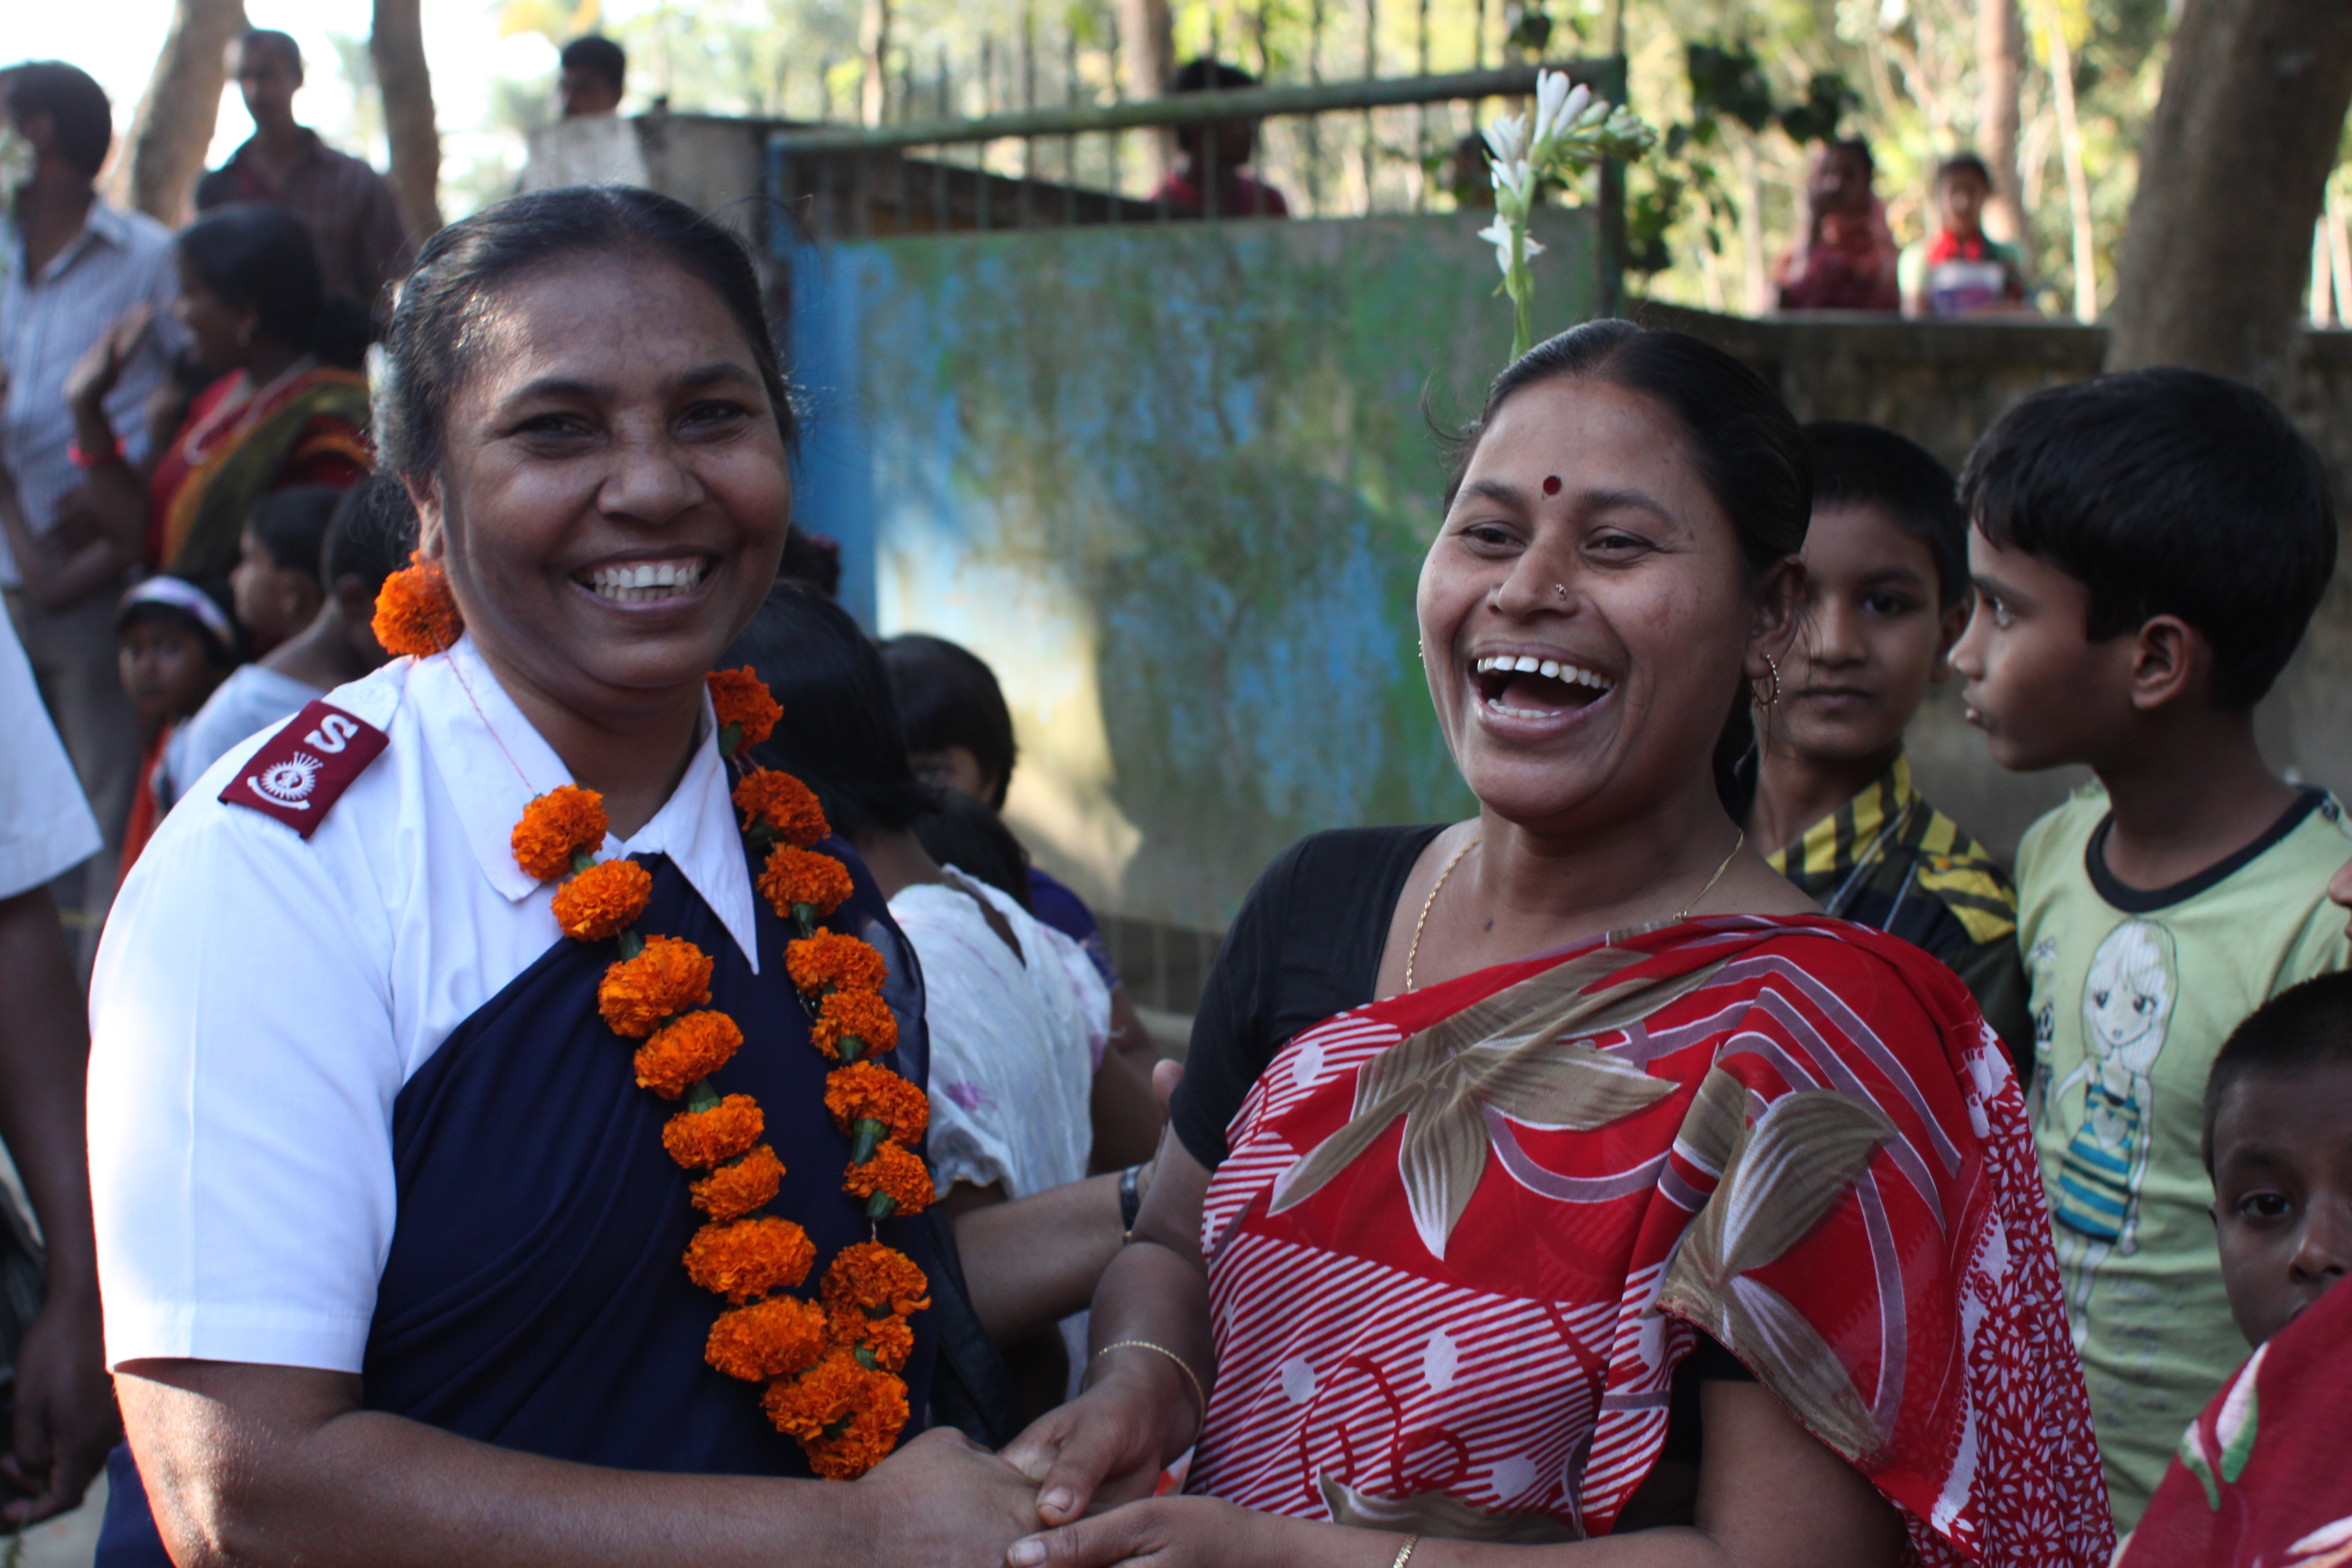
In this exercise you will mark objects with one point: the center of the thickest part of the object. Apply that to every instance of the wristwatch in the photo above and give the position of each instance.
(1130, 1201)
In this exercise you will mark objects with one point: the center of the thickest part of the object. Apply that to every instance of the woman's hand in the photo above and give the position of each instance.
(940, 1502)
(1166, 1532)
(1108, 1443)
(95, 376)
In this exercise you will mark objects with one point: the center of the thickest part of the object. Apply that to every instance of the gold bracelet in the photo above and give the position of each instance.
(1404, 1552)
(1200, 1395)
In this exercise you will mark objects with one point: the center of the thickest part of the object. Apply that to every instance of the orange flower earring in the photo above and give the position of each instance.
(414, 611)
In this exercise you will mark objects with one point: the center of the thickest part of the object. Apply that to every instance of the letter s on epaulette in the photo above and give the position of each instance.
(305, 767)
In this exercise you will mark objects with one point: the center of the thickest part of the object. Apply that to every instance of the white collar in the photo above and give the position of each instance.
(486, 749)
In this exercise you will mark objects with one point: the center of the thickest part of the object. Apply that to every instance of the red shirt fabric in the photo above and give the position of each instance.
(1239, 194)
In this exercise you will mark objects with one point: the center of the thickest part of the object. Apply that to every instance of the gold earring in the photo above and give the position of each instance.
(1774, 700)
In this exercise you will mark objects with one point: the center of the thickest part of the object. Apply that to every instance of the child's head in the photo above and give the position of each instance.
(276, 582)
(2278, 1144)
(1963, 184)
(959, 731)
(173, 644)
(2144, 545)
(368, 539)
(1886, 563)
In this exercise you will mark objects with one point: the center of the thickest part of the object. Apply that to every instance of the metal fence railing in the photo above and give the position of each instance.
(1334, 149)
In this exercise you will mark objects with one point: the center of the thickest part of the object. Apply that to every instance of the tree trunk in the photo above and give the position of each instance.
(1147, 42)
(396, 46)
(2000, 64)
(173, 127)
(874, 43)
(2231, 172)
(2070, 151)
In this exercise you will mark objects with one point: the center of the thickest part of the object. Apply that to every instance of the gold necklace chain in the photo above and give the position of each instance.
(1413, 954)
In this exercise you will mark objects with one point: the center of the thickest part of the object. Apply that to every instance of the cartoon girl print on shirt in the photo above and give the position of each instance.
(2127, 1001)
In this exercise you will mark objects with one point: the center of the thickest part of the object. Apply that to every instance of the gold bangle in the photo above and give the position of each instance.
(1404, 1552)
(1200, 1395)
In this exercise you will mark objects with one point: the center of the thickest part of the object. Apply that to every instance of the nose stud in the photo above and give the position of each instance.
(1559, 591)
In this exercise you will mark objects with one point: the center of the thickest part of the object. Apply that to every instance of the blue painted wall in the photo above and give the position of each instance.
(1174, 482)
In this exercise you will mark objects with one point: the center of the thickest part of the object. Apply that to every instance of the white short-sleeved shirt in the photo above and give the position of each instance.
(45, 828)
(260, 999)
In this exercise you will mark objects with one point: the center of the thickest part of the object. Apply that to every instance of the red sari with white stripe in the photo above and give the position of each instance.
(1465, 1234)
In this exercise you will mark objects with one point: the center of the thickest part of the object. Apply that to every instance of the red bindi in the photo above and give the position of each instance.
(1551, 484)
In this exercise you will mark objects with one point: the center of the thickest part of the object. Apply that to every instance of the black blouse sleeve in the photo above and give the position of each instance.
(1305, 945)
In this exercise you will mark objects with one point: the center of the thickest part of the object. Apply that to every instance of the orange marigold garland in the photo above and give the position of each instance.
(779, 807)
(745, 705)
(603, 901)
(780, 1337)
(852, 1023)
(798, 879)
(734, 1190)
(749, 1257)
(558, 831)
(685, 1051)
(831, 1369)
(415, 614)
(831, 962)
(666, 976)
(699, 1139)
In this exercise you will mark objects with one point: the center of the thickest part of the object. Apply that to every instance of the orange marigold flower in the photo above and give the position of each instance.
(829, 960)
(701, 1139)
(670, 976)
(889, 1339)
(742, 698)
(414, 611)
(749, 1257)
(870, 1275)
(564, 821)
(686, 1052)
(860, 1013)
(775, 1338)
(896, 1172)
(864, 1092)
(804, 877)
(603, 901)
(872, 1432)
(732, 1191)
(861, 1408)
(788, 807)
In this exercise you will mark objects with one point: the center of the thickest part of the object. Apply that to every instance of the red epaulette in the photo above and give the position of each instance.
(306, 766)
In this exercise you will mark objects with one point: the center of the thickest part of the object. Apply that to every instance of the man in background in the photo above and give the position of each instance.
(353, 216)
(594, 69)
(73, 265)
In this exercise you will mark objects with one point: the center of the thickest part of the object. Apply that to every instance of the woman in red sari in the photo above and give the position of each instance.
(1710, 1233)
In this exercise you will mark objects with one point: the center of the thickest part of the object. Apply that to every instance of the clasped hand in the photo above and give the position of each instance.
(1103, 1451)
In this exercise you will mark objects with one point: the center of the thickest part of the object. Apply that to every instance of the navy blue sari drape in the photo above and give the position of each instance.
(534, 1297)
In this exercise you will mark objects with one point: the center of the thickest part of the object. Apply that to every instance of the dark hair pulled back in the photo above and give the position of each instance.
(260, 256)
(1747, 447)
(436, 332)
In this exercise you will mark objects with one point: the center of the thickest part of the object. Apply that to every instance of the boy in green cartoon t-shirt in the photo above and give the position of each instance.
(2148, 548)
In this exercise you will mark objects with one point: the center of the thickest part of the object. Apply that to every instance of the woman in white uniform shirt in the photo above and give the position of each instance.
(389, 1240)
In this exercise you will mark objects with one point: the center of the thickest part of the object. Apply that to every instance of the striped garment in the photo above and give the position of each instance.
(1465, 1234)
(1890, 860)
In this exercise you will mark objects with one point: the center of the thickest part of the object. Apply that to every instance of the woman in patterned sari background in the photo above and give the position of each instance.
(1710, 1232)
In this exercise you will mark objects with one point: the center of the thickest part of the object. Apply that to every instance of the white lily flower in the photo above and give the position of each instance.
(1514, 177)
(1507, 138)
(1499, 234)
(1552, 91)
